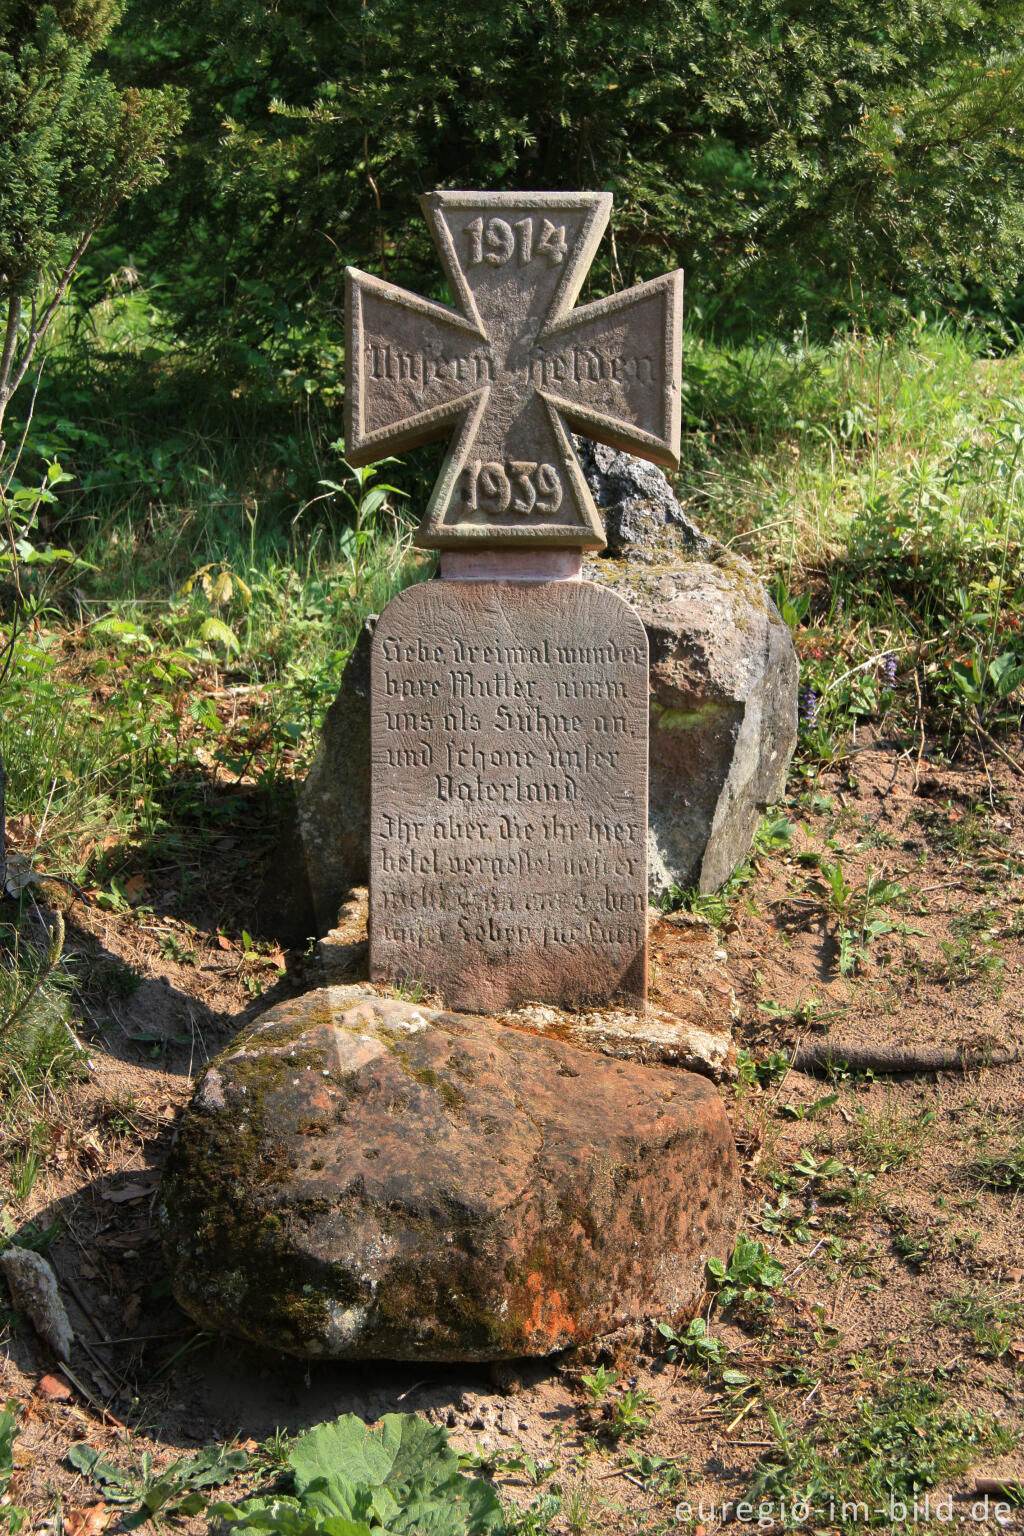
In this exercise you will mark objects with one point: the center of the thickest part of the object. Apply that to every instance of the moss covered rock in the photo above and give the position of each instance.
(360, 1177)
(724, 675)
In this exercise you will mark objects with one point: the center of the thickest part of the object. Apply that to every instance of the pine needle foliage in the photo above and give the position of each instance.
(828, 159)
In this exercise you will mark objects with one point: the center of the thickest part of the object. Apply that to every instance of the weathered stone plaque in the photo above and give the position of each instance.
(508, 858)
(515, 363)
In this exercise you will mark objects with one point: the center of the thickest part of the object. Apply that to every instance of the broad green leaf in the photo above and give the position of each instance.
(8, 1435)
(283, 1516)
(966, 680)
(373, 500)
(1006, 674)
(51, 556)
(90, 1462)
(213, 1465)
(394, 1451)
(341, 1498)
(218, 633)
(398, 1478)
(123, 630)
(1010, 682)
(192, 1504)
(460, 1506)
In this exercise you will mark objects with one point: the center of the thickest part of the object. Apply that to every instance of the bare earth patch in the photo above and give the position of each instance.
(892, 1204)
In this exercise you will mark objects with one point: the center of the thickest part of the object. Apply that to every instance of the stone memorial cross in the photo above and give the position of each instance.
(509, 701)
(505, 373)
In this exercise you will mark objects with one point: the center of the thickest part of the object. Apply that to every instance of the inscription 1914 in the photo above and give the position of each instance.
(509, 799)
(511, 366)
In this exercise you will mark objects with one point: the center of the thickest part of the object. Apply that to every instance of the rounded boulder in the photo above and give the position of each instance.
(362, 1177)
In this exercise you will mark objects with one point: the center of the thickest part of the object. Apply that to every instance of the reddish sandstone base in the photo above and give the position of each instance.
(363, 1178)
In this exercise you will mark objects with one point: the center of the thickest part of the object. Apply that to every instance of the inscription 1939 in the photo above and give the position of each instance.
(509, 799)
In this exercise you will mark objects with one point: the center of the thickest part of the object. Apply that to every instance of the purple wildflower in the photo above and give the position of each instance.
(889, 669)
(810, 704)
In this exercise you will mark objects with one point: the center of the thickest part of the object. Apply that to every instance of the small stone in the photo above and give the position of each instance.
(639, 508)
(506, 1378)
(654, 1036)
(508, 1423)
(33, 1287)
(213, 1098)
(525, 1196)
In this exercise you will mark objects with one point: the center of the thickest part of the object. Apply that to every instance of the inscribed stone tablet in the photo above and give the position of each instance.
(508, 858)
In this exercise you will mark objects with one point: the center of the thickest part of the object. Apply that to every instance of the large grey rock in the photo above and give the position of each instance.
(639, 507)
(724, 680)
(724, 675)
(365, 1178)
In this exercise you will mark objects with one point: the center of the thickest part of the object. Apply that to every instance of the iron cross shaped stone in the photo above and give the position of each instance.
(512, 367)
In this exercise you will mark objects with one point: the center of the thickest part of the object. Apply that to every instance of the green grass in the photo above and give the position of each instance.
(1003, 1170)
(175, 654)
(36, 1047)
(869, 446)
(990, 1317)
(39, 1055)
(894, 1445)
(881, 479)
(890, 1136)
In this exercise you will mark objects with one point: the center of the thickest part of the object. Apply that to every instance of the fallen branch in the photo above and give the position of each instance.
(823, 1055)
(1003, 1488)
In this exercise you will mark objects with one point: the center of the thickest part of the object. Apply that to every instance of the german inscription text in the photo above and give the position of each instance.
(509, 817)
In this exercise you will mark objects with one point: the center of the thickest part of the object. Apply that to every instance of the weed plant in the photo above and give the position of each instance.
(12, 1517)
(990, 1317)
(859, 1470)
(1003, 1170)
(889, 1136)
